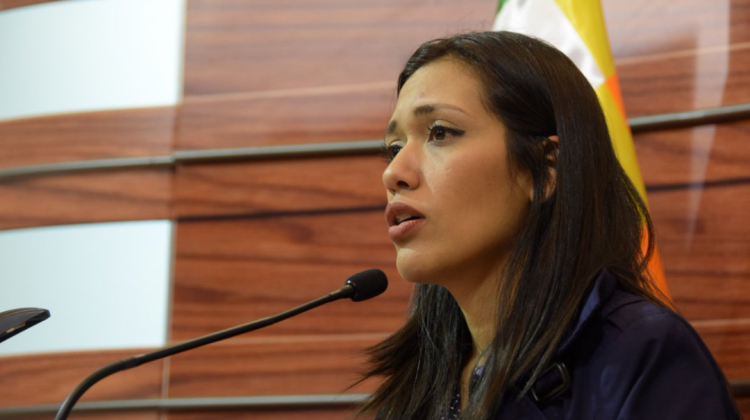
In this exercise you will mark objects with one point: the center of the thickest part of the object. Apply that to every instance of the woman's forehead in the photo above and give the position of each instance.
(442, 85)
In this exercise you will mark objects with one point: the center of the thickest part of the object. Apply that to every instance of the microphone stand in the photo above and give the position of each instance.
(345, 291)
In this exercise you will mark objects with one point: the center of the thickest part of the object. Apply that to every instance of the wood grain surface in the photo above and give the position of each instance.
(87, 136)
(699, 189)
(234, 271)
(729, 342)
(674, 56)
(346, 113)
(681, 82)
(106, 415)
(744, 405)
(49, 378)
(241, 46)
(639, 28)
(86, 198)
(279, 185)
(269, 414)
(705, 154)
(705, 249)
(290, 365)
(12, 4)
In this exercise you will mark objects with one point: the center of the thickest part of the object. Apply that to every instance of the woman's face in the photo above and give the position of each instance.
(454, 205)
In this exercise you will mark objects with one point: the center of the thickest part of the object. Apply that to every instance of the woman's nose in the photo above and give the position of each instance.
(403, 171)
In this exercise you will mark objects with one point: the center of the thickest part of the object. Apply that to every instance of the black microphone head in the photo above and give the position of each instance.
(367, 284)
(16, 320)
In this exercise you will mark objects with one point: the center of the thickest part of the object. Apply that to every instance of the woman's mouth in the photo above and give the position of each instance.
(402, 219)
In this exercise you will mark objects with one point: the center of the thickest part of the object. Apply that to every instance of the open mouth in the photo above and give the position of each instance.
(405, 218)
(398, 212)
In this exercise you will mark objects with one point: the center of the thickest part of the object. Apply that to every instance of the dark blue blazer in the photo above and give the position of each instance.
(630, 359)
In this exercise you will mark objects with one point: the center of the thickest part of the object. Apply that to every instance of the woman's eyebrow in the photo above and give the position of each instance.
(421, 110)
(430, 108)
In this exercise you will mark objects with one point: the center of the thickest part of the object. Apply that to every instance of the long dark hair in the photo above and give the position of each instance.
(589, 217)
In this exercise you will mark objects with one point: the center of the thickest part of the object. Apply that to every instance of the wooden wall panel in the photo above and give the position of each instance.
(234, 271)
(282, 185)
(744, 406)
(49, 378)
(705, 249)
(303, 44)
(345, 113)
(708, 153)
(293, 365)
(12, 4)
(676, 55)
(87, 136)
(647, 27)
(702, 236)
(268, 414)
(85, 198)
(108, 415)
(655, 85)
(729, 342)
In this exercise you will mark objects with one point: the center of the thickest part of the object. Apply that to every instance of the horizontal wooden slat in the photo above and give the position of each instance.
(268, 414)
(744, 405)
(85, 198)
(87, 136)
(134, 415)
(12, 4)
(283, 185)
(313, 116)
(235, 271)
(679, 83)
(729, 342)
(290, 365)
(641, 27)
(712, 153)
(681, 60)
(699, 185)
(678, 55)
(705, 246)
(49, 377)
(240, 46)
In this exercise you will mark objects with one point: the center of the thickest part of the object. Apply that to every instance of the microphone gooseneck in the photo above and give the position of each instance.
(361, 286)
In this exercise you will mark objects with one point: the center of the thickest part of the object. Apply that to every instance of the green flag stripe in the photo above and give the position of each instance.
(500, 5)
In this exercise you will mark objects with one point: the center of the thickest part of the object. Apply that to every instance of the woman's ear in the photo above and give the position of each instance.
(551, 151)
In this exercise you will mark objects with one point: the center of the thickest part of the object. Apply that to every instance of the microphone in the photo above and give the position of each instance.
(364, 285)
(361, 286)
(15, 321)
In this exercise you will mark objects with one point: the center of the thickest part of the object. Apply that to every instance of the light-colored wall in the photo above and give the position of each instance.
(106, 285)
(83, 55)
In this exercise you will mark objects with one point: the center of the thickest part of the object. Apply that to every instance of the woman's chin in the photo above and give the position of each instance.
(415, 270)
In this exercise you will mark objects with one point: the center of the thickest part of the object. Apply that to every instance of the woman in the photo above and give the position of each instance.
(511, 213)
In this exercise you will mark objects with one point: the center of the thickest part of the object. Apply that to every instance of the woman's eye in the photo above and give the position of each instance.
(439, 132)
(389, 152)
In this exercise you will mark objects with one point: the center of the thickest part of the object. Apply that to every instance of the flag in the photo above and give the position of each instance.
(576, 27)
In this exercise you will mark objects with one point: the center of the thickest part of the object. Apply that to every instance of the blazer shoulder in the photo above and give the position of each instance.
(625, 311)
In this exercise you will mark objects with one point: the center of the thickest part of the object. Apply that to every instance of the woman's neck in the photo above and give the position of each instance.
(478, 304)
(479, 307)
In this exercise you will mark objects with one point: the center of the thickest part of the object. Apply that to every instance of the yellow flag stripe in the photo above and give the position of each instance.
(588, 19)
